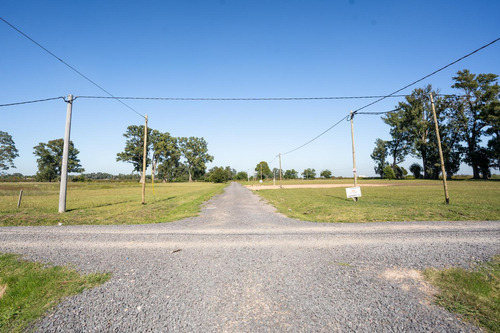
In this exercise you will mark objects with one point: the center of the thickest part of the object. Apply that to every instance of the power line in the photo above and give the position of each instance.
(428, 75)
(68, 65)
(316, 137)
(35, 101)
(393, 94)
(239, 98)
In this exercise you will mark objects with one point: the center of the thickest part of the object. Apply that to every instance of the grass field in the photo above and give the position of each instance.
(28, 290)
(102, 203)
(408, 200)
(473, 294)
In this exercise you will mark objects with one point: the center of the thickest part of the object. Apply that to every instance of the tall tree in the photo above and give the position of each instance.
(309, 173)
(165, 151)
(50, 159)
(195, 151)
(411, 124)
(291, 174)
(134, 147)
(8, 151)
(263, 170)
(379, 155)
(479, 100)
(326, 174)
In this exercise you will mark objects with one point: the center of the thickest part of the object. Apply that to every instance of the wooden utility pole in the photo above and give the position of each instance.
(280, 169)
(144, 161)
(354, 171)
(64, 167)
(438, 137)
(261, 172)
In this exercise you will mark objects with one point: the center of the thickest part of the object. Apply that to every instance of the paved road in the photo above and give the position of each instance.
(244, 268)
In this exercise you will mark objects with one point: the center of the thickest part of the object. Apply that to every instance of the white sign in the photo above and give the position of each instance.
(353, 192)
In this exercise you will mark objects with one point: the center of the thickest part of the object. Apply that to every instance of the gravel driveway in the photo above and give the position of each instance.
(241, 267)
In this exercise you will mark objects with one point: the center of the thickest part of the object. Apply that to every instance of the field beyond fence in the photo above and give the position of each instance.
(102, 203)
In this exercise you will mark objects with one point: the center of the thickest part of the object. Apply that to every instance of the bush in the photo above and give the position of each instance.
(416, 170)
(389, 172)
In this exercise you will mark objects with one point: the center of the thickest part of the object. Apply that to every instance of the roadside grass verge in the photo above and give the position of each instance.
(475, 294)
(419, 201)
(102, 203)
(28, 290)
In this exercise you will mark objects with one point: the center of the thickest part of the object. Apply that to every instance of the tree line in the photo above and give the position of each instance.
(465, 121)
(170, 158)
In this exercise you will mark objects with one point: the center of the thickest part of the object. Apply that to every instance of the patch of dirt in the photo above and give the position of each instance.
(408, 278)
(275, 187)
(3, 288)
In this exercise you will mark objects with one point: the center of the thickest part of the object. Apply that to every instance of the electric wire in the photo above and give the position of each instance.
(316, 137)
(35, 101)
(239, 98)
(348, 117)
(71, 67)
(428, 75)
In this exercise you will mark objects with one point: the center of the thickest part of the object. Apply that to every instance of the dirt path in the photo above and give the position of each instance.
(240, 267)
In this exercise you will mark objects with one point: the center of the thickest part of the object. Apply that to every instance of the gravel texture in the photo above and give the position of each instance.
(241, 267)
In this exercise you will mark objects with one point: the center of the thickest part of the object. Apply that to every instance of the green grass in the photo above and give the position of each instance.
(415, 200)
(31, 289)
(473, 294)
(102, 203)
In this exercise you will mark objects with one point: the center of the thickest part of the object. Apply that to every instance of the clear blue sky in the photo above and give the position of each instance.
(215, 48)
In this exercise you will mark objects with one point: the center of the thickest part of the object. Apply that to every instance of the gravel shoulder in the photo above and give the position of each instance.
(241, 267)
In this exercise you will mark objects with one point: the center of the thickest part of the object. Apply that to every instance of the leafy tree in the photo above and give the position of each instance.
(263, 170)
(472, 111)
(231, 173)
(492, 118)
(416, 169)
(326, 174)
(195, 152)
(50, 159)
(8, 151)
(411, 123)
(242, 175)
(309, 173)
(166, 152)
(291, 174)
(389, 172)
(218, 175)
(134, 147)
(379, 155)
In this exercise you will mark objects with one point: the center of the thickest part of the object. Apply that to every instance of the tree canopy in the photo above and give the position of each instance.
(263, 170)
(50, 159)
(8, 151)
(134, 147)
(195, 152)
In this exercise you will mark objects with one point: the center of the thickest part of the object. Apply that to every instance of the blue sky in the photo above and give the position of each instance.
(230, 48)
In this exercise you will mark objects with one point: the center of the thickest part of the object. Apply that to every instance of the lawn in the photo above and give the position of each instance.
(28, 290)
(474, 294)
(415, 200)
(102, 203)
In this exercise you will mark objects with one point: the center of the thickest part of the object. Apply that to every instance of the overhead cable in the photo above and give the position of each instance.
(428, 75)
(35, 101)
(316, 137)
(239, 98)
(71, 67)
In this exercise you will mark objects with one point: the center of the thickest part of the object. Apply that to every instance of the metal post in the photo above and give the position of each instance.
(354, 171)
(64, 168)
(438, 137)
(144, 161)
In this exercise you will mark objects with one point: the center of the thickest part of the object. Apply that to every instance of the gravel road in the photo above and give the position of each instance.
(241, 267)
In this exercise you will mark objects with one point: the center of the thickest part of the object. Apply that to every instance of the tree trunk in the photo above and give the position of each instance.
(190, 179)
